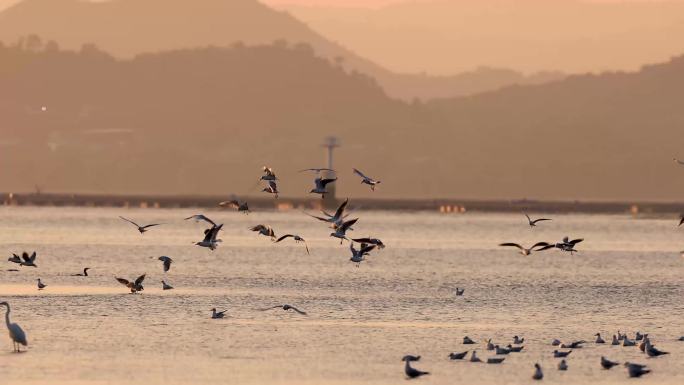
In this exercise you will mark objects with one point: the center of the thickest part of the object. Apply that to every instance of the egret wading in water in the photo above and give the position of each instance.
(16, 333)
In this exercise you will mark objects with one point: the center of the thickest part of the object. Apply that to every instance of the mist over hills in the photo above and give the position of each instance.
(203, 121)
(125, 28)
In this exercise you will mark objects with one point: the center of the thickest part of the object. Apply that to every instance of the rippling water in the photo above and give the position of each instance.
(361, 321)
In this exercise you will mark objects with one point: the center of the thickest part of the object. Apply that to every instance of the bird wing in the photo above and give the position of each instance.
(367, 249)
(546, 247)
(540, 244)
(324, 182)
(681, 221)
(541, 219)
(258, 228)
(283, 237)
(233, 204)
(319, 218)
(201, 217)
(340, 210)
(167, 264)
(26, 257)
(270, 308)
(123, 281)
(272, 184)
(297, 310)
(528, 217)
(129, 221)
(213, 232)
(140, 280)
(33, 257)
(307, 248)
(359, 173)
(511, 244)
(575, 241)
(348, 224)
(153, 224)
(362, 240)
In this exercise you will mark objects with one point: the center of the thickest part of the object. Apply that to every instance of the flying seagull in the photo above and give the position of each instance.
(269, 175)
(358, 255)
(272, 188)
(135, 286)
(201, 217)
(84, 274)
(210, 240)
(167, 262)
(367, 180)
(28, 261)
(264, 230)
(370, 241)
(16, 333)
(15, 258)
(241, 207)
(340, 231)
(141, 229)
(296, 238)
(337, 218)
(525, 251)
(284, 307)
(320, 186)
(533, 223)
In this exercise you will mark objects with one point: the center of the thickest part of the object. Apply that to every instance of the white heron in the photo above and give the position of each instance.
(16, 333)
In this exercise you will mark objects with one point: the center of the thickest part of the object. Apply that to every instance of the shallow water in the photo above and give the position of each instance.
(362, 320)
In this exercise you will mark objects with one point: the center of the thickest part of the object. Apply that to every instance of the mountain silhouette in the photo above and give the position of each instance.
(126, 28)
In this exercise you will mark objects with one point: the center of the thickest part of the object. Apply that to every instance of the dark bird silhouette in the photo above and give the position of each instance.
(367, 180)
(141, 229)
(135, 286)
(264, 230)
(241, 207)
(533, 223)
(412, 372)
(84, 274)
(296, 238)
(457, 356)
(284, 307)
(272, 188)
(320, 186)
(166, 261)
(607, 364)
(28, 261)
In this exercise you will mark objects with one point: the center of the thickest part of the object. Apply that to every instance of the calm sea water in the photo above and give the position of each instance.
(629, 276)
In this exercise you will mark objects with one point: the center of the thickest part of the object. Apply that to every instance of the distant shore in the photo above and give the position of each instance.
(447, 206)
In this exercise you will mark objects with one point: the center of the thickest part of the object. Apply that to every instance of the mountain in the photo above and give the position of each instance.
(449, 36)
(204, 121)
(126, 28)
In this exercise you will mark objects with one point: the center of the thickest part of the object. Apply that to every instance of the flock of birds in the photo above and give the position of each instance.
(340, 225)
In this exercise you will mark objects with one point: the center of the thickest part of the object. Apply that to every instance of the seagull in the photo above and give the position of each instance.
(296, 238)
(559, 354)
(490, 345)
(607, 364)
(514, 349)
(628, 342)
(533, 223)
(241, 207)
(264, 230)
(367, 180)
(525, 251)
(15, 258)
(135, 286)
(338, 218)
(340, 231)
(621, 336)
(459, 292)
(141, 229)
(457, 356)
(412, 372)
(500, 350)
(640, 336)
(269, 175)
(636, 370)
(573, 345)
(167, 262)
(568, 245)
(563, 365)
(517, 340)
(16, 333)
(166, 286)
(599, 340)
(217, 314)
(210, 235)
(651, 350)
(201, 217)
(272, 188)
(284, 307)
(474, 358)
(320, 186)
(41, 285)
(538, 374)
(370, 241)
(84, 274)
(495, 360)
(468, 341)
(28, 261)
(358, 255)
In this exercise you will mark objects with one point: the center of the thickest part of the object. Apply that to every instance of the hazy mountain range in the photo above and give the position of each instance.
(203, 121)
(126, 28)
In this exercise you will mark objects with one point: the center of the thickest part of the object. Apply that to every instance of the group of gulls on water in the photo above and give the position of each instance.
(337, 221)
(500, 354)
(340, 224)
